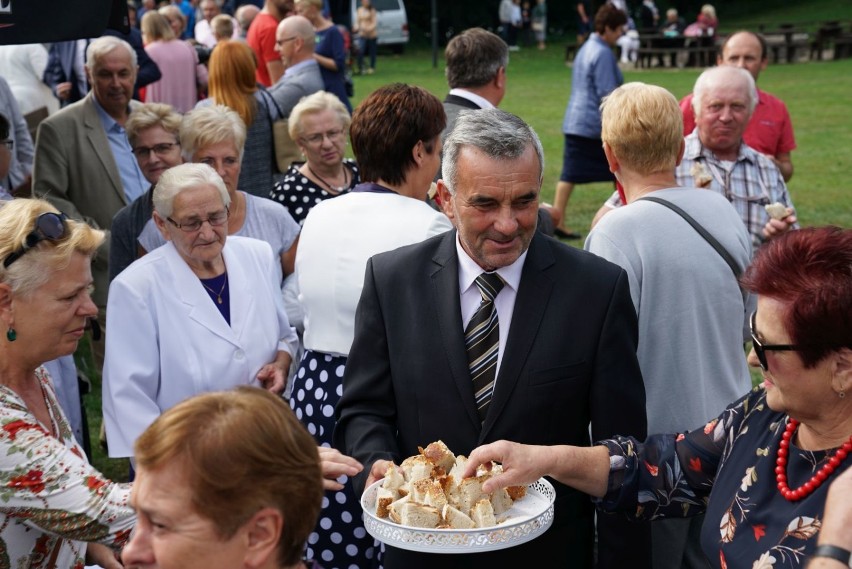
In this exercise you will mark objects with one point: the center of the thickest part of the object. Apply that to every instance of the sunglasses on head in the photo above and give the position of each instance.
(50, 226)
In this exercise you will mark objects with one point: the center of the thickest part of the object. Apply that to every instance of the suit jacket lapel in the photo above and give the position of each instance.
(530, 306)
(461, 102)
(446, 300)
(98, 139)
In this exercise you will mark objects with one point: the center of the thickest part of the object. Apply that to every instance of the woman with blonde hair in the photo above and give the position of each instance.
(182, 73)
(319, 124)
(330, 51)
(54, 501)
(232, 83)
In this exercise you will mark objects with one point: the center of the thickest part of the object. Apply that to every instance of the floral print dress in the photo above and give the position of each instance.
(727, 470)
(52, 500)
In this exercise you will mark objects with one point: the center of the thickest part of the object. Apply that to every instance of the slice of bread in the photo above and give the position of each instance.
(416, 515)
(469, 492)
(416, 468)
(482, 514)
(393, 479)
(456, 519)
(429, 491)
(395, 507)
(516, 492)
(439, 455)
(384, 498)
(501, 501)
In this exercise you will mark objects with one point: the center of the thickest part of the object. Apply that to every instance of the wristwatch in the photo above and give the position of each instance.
(834, 552)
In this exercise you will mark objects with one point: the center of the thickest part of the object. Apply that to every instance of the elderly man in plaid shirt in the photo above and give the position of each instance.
(716, 158)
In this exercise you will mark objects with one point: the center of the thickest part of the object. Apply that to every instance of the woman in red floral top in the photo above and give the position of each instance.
(761, 470)
(52, 501)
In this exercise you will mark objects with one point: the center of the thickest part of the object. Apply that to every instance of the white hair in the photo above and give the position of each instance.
(184, 177)
(723, 75)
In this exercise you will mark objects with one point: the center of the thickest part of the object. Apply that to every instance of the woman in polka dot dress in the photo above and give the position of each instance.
(319, 124)
(400, 156)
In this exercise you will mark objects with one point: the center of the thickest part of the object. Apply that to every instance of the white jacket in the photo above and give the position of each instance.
(166, 340)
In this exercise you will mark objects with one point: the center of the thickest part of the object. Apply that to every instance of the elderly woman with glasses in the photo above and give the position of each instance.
(54, 501)
(201, 313)
(216, 136)
(760, 471)
(319, 124)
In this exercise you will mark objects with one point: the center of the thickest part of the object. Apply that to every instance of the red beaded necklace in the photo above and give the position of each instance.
(817, 479)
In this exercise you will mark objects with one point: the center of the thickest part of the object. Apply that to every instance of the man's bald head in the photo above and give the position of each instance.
(746, 50)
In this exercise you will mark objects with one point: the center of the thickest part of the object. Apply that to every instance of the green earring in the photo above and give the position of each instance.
(11, 335)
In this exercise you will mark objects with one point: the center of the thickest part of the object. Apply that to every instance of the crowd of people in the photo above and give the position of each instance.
(274, 337)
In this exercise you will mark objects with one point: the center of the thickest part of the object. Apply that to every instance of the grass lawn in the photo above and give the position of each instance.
(817, 95)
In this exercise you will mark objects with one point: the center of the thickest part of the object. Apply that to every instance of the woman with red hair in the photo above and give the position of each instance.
(760, 471)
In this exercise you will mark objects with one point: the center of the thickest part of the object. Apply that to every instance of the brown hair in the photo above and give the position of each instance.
(241, 451)
(388, 124)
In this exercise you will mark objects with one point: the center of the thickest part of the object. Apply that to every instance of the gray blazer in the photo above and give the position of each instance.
(74, 170)
(295, 85)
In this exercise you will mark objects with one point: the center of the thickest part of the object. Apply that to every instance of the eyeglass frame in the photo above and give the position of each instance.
(37, 235)
(149, 149)
(332, 135)
(760, 348)
(280, 43)
(185, 226)
(9, 143)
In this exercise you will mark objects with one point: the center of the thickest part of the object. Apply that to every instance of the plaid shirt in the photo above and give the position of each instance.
(752, 182)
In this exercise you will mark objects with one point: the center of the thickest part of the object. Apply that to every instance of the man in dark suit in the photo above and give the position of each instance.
(476, 73)
(564, 353)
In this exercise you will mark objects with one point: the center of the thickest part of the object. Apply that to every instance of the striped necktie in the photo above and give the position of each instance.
(482, 341)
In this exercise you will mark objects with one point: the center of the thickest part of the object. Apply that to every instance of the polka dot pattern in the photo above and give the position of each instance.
(339, 539)
(299, 194)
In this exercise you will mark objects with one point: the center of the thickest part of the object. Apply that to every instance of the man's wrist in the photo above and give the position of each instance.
(834, 552)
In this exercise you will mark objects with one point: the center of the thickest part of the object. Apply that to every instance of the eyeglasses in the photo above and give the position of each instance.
(10, 144)
(760, 348)
(285, 40)
(47, 226)
(217, 219)
(316, 139)
(159, 149)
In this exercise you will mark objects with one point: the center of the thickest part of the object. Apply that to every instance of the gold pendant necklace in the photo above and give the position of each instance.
(221, 290)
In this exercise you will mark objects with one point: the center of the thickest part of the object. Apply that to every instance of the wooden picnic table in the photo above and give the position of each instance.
(676, 51)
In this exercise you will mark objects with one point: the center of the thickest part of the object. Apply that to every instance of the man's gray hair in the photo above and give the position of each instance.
(104, 45)
(723, 75)
(183, 177)
(495, 133)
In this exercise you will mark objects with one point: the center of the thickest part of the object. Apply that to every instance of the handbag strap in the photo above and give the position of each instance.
(267, 95)
(701, 231)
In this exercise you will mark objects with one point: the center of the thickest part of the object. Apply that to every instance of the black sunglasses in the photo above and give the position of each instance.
(47, 226)
(760, 349)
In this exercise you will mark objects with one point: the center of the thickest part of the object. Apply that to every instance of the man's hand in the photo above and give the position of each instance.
(522, 464)
(378, 470)
(63, 91)
(776, 227)
(336, 464)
